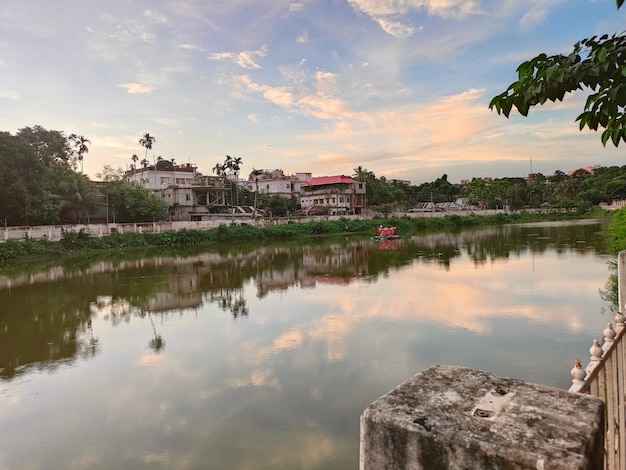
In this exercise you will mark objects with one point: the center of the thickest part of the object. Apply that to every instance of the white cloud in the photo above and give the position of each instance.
(393, 15)
(303, 38)
(396, 28)
(158, 18)
(537, 12)
(388, 14)
(192, 47)
(137, 88)
(245, 59)
(9, 94)
(296, 7)
(253, 118)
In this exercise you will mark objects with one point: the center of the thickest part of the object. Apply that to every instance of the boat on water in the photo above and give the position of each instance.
(386, 233)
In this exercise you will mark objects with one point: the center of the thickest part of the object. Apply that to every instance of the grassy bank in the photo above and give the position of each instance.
(82, 242)
(616, 232)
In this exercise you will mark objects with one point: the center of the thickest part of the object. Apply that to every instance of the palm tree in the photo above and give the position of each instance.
(219, 169)
(254, 174)
(135, 159)
(80, 147)
(234, 164)
(146, 141)
(79, 194)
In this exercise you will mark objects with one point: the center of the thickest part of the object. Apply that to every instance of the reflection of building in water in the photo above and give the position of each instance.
(338, 260)
(180, 293)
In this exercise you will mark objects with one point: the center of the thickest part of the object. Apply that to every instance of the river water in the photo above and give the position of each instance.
(263, 357)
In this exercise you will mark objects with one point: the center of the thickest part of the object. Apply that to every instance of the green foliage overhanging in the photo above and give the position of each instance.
(597, 63)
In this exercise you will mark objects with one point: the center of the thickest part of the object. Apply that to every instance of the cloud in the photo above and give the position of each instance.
(303, 38)
(9, 94)
(245, 59)
(253, 118)
(390, 15)
(192, 47)
(396, 28)
(537, 12)
(296, 7)
(319, 105)
(137, 88)
(156, 17)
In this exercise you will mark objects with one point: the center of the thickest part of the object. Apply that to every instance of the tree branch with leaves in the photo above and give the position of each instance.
(596, 63)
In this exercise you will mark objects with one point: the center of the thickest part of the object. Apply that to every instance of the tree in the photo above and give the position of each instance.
(51, 147)
(110, 174)
(131, 202)
(135, 159)
(595, 63)
(234, 165)
(361, 174)
(77, 194)
(254, 175)
(163, 164)
(79, 147)
(24, 197)
(147, 141)
(219, 169)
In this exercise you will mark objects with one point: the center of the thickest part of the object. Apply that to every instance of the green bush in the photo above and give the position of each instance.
(616, 232)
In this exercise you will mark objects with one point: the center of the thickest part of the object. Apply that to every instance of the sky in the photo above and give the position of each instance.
(398, 87)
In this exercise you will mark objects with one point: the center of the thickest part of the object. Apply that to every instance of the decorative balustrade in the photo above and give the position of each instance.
(605, 377)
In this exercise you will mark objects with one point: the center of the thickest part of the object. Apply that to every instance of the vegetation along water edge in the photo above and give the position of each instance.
(82, 243)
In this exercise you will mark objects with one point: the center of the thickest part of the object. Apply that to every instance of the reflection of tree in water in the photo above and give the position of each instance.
(156, 343)
(46, 324)
(120, 310)
(229, 301)
(92, 345)
(44, 327)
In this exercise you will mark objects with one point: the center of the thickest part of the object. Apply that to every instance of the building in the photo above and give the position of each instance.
(340, 195)
(189, 194)
(275, 182)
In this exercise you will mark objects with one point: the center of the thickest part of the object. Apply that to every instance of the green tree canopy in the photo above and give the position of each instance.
(51, 147)
(24, 199)
(131, 202)
(596, 63)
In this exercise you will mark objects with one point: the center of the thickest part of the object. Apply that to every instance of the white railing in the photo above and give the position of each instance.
(604, 377)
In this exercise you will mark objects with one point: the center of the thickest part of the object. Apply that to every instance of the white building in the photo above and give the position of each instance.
(274, 182)
(188, 193)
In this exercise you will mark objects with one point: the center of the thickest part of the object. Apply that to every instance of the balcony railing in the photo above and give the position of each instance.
(604, 377)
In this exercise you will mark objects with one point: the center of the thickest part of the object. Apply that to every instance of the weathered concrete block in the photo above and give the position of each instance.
(448, 418)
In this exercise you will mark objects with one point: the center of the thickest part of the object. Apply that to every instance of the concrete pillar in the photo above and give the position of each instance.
(453, 418)
(621, 281)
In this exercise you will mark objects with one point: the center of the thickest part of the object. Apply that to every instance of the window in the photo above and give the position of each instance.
(187, 197)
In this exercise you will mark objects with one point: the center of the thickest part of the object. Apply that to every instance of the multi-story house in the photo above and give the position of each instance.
(274, 182)
(340, 195)
(189, 194)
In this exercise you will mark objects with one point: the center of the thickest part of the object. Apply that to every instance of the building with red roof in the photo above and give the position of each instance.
(340, 195)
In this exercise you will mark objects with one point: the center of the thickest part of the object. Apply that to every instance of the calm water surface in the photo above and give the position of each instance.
(264, 357)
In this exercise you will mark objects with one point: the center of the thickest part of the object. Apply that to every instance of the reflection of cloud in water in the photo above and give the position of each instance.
(258, 378)
(288, 340)
(149, 358)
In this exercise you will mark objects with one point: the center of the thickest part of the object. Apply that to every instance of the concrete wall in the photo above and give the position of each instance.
(53, 232)
(447, 418)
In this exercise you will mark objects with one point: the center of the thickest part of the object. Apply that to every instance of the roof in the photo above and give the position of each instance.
(329, 180)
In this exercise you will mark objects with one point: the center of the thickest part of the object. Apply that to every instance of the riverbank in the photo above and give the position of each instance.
(84, 240)
(616, 233)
